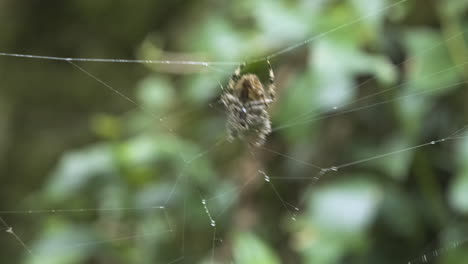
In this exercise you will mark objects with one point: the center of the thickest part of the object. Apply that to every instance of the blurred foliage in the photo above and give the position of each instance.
(119, 176)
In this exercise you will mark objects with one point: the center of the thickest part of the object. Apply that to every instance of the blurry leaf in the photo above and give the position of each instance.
(458, 195)
(325, 250)
(462, 152)
(106, 126)
(219, 38)
(454, 240)
(395, 204)
(149, 49)
(156, 193)
(431, 68)
(454, 7)
(146, 149)
(299, 109)
(155, 93)
(373, 11)
(383, 69)
(154, 229)
(78, 168)
(396, 166)
(338, 215)
(345, 207)
(336, 24)
(202, 87)
(412, 111)
(201, 170)
(249, 249)
(142, 150)
(279, 23)
(334, 77)
(60, 244)
(147, 158)
(224, 196)
(113, 196)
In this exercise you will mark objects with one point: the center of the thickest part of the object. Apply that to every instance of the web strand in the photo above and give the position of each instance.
(206, 63)
(456, 135)
(81, 210)
(434, 254)
(113, 240)
(460, 34)
(10, 231)
(321, 35)
(200, 63)
(278, 195)
(317, 117)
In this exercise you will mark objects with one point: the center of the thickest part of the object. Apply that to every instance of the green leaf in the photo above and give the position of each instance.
(218, 37)
(249, 249)
(396, 166)
(78, 168)
(458, 195)
(454, 7)
(345, 207)
(201, 88)
(288, 25)
(373, 11)
(431, 69)
(155, 93)
(63, 244)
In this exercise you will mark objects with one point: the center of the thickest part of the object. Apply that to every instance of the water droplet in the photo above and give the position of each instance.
(203, 201)
(334, 168)
(267, 179)
(10, 230)
(335, 107)
(433, 142)
(213, 223)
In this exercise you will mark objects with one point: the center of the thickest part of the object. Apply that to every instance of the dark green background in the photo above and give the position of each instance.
(69, 142)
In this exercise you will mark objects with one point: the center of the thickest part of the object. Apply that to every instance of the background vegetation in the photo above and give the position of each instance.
(69, 142)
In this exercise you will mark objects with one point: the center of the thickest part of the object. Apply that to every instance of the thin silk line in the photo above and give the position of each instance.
(203, 63)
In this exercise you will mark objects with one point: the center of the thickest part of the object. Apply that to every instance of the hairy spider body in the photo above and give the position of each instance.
(246, 102)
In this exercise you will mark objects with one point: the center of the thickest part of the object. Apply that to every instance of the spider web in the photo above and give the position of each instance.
(183, 180)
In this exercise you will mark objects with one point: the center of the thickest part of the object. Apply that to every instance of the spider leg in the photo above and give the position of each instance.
(229, 91)
(271, 85)
(235, 77)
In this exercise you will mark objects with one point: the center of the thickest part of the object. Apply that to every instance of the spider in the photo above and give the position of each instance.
(246, 102)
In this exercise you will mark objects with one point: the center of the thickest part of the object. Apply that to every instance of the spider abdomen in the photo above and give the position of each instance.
(246, 103)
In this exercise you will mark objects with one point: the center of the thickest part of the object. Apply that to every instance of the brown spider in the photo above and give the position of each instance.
(246, 102)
